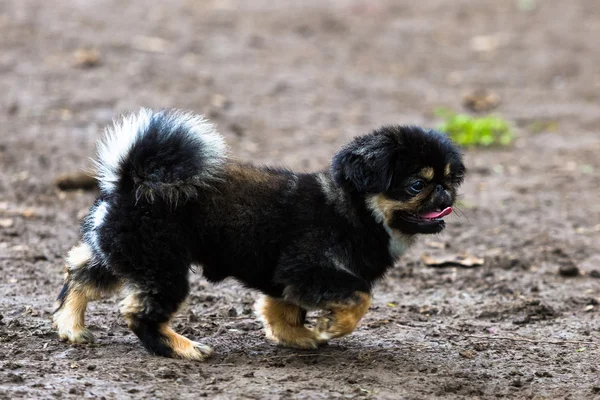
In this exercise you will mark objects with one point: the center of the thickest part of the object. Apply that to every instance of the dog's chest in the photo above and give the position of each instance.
(398, 243)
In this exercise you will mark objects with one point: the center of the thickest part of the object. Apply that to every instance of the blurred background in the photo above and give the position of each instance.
(516, 82)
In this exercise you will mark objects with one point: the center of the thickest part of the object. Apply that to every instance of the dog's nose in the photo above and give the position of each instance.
(443, 197)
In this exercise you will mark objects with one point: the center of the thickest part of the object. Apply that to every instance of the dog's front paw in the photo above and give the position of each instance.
(71, 329)
(296, 337)
(325, 329)
(77, 336)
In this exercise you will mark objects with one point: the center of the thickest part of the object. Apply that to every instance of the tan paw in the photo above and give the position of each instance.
(185, 348)
(76, 335)
(296, 337)
(195, 351)
(70, 326)
(325, 329)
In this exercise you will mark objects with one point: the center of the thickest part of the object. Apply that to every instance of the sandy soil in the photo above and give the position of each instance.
(288, 85)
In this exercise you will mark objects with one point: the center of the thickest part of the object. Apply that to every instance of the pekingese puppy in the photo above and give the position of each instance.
(170, 197)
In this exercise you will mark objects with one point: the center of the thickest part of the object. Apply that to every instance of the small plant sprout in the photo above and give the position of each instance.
(471, 131)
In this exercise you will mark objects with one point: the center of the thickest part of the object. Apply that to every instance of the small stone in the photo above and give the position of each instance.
(467, 354)
(568, 270)
(517, 383)
(595, 273)
(6, 222)
(484, 43)
(535, 289)
(86, 58)
(481, 100)
(232, 312)
(481, 346)
(219, 101)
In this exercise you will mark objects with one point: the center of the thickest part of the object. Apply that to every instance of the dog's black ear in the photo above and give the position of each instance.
(366, 164)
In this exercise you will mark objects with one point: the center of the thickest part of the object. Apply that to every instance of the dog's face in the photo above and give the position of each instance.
(408, 176)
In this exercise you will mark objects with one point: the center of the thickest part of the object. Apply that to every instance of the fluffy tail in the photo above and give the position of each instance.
(160, 154)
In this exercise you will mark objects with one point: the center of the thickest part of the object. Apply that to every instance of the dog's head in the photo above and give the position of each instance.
(408, 176)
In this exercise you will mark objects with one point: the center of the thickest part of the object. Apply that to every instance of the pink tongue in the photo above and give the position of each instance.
(437, 214)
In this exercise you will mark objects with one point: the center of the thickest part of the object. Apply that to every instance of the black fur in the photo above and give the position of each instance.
(153, 341)
(308, 238)
(381, 161)
(60, 300)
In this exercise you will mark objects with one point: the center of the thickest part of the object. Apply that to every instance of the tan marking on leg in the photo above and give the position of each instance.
(447, 170)
(184, 347)
(284, 325)
(344, 317)
(132, 306)
(70, 318)
(427, 173)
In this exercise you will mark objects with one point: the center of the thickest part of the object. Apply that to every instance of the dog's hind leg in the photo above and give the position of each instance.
(85, 279)
(149, 307)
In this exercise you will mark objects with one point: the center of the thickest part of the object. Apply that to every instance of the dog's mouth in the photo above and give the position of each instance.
(425, 222)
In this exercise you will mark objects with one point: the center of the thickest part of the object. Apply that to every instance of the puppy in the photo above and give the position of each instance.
(170, 197)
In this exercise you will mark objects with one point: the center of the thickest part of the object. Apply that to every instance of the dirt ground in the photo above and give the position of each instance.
(288, 85)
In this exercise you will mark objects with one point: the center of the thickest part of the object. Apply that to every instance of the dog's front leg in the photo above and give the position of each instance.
(284, 323)
(343, 316)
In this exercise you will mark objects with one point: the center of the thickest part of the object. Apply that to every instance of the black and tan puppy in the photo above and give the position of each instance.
(171, 198)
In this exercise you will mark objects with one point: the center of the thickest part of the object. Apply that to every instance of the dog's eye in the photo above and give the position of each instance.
(417, 186)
